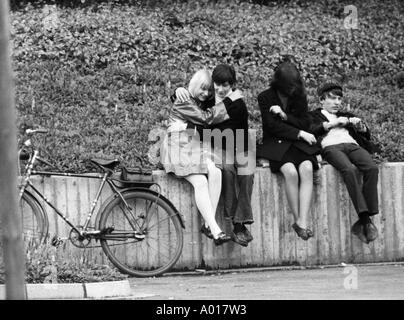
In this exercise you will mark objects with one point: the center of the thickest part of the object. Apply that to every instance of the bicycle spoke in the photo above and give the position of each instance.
(160, 248)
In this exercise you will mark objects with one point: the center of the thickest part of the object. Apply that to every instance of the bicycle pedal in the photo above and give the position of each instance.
(57, 241)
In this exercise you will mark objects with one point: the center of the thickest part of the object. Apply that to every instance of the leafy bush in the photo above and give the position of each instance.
(44, 265)
(99, 76)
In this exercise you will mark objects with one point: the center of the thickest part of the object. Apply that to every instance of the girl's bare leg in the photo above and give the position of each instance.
(292, 188)
(305, 192)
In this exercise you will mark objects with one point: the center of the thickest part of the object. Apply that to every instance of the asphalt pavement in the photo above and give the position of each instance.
(343, 282)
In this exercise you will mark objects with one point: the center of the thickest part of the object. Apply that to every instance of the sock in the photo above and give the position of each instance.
(238, 227)
(364, 217)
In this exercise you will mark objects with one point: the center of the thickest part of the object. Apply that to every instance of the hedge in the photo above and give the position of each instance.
(99, 75)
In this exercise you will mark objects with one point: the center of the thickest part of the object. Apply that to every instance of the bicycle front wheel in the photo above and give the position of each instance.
(142, 235)
(34, 221)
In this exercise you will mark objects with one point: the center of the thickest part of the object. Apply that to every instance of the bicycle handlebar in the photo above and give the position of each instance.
(32, 131)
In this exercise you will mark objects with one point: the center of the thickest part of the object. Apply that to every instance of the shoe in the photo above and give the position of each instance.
(206, 231)
(222, 238)
(239, 238)
(301, 232)
(370, 231)
(248, 236)
(358, 230)
(310, 233)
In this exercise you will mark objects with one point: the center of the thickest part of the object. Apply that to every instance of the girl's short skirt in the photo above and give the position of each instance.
(183, 154)
(295, 156)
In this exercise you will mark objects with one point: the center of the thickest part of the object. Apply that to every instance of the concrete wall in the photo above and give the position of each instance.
(275, 242)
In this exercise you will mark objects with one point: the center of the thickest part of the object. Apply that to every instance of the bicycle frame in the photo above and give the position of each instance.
(104, 180)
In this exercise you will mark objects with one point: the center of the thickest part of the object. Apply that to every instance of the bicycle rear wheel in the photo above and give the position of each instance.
(34, 220)
(146, 238)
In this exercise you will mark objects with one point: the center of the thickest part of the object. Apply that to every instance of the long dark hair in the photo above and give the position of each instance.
(288, 81)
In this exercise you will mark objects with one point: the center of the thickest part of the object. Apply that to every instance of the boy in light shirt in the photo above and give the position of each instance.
(345, 144)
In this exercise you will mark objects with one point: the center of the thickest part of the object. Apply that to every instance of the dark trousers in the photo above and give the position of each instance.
(343, 157)
(236, 193)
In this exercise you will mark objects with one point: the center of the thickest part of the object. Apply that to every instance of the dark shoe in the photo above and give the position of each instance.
(206, 231)
(310, 233)
(248, 236)
(358, 230)
(370, 231)
(302, 233)
(222, 238)
(239, 238)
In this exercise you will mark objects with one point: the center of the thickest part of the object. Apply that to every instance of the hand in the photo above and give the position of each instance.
(358, 124)
(328, 125)
(343, 121)
(354, 120)
(182, 94)
(278, 110)
(308, 137)
(235, 95)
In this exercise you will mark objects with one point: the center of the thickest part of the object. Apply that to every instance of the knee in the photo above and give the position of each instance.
(374, 169)
(349, 171)
(214, 173)
(306, 171)
(290, 173)
(306, 168)
(200, 184)
(229, 169)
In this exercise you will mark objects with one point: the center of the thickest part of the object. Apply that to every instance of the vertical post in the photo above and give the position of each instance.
(13, 249)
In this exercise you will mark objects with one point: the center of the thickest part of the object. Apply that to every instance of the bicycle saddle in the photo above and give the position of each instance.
(108, 164)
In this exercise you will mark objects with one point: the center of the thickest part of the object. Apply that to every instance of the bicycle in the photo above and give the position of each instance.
(139, 230)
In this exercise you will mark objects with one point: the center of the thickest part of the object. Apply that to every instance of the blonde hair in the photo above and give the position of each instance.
(201, 79)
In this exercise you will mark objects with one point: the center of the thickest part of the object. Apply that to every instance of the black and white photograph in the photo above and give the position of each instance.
(198, 159)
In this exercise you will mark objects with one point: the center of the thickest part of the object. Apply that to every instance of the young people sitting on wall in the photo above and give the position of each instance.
(287, 144)
(237, 152)
(184, 154)
(345, 143)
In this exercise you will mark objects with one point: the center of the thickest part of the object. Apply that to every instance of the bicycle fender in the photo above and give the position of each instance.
(110, 198)
(45, 214)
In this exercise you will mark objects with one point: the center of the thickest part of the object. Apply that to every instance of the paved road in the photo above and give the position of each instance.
(346, 283)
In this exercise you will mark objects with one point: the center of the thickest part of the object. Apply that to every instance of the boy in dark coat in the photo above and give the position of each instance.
(237, 201)
(345, 143)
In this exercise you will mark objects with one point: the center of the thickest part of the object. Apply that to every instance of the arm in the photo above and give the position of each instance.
(353, 123)
(323, 127)
(273, 124)
(278, 128)
(236, 109)
(360, 126)
(301, 122)
(318, 126)
(181, 94)
(192, 113)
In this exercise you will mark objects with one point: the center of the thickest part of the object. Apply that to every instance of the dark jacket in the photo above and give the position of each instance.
(238, 114)
(362, 138)
(280, 135)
